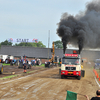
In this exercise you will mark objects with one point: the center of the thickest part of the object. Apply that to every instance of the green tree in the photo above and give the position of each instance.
(39, 44)
(6, 43)
(23, 44)
(58, 44)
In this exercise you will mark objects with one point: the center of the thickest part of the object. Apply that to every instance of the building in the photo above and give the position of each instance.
(43, 53)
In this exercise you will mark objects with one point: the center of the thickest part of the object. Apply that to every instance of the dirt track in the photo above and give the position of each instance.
(47, 85)
(9, 69)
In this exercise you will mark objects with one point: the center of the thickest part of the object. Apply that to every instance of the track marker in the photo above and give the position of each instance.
(95, 79)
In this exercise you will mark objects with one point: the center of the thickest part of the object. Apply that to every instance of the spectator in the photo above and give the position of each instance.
(32, 62)
(95, 98)
(24, 66)
(35, 62)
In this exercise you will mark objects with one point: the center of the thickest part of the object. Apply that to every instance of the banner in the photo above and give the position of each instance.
(23, 40)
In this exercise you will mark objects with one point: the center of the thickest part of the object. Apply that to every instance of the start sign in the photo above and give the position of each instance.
(23, 40)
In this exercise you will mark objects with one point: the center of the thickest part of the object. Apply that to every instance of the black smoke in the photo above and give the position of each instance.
(82, 30)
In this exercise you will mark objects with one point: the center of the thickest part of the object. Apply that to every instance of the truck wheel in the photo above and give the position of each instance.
(29, 66)
(18, 67)
(62, 76)
(79, 77)
(82, 73)
(11, 63)
(1, 70)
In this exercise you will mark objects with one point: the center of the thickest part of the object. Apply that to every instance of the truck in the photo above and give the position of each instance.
(1, 68)
(3, 58)
(71, 66)
(1, 61)
(9, 59)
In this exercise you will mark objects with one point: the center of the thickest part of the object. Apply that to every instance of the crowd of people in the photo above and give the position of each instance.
(35, 62)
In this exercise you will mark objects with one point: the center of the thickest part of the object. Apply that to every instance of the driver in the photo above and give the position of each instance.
(77, 62)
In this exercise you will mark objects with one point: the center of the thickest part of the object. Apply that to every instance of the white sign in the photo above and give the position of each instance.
(23, 40)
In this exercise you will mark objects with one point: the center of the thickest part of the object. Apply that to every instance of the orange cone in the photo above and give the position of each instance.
(99, 78)
(97, 75)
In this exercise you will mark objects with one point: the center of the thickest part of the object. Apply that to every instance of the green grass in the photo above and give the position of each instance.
(42, 65)
(33, 71)
(8, 76)
(5, 64)
(30, 71)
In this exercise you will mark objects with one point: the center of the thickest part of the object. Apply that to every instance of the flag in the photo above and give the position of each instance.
(71, 95)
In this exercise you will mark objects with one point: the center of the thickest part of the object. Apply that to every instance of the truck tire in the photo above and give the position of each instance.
(62, 76)
(1, 69)
(79, 77)
(28, 66)
(82, 73)
(11, 63)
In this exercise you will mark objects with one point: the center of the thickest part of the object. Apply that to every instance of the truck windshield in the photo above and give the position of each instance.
(70, 61)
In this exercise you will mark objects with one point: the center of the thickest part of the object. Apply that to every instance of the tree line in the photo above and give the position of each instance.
(58, 44)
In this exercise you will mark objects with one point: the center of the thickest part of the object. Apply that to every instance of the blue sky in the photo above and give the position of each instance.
(29, 19)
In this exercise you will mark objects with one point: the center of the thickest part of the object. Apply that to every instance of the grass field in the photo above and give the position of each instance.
(8, 76)
(5, 64)
(43, 65)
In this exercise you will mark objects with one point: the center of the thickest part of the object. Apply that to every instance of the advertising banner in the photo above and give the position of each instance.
(23, 40)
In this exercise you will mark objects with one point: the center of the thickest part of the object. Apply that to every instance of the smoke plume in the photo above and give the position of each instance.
(82, 30)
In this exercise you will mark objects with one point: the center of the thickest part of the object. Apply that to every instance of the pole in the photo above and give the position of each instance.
(48, 43)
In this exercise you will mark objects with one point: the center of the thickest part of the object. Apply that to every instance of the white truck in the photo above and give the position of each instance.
(3, 58)
(71, 66)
